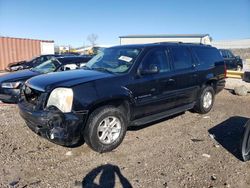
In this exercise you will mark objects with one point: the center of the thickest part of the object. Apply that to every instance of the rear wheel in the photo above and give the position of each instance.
(105, 129)
(205, 101)
(239, 68)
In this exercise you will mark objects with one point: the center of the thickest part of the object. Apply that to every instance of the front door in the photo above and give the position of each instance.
(148, 88)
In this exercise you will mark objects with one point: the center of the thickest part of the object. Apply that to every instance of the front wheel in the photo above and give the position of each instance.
(206, 100)
(105, 129)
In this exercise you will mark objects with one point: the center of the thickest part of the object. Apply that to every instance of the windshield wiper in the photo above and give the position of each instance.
(33, 70)
(102, 69)
(86, 68)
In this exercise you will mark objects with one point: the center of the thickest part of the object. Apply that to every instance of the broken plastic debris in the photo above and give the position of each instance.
(213, 177)
(206, 155)
(69, 153)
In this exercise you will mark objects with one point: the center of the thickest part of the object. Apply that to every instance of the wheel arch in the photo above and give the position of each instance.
(119, 102)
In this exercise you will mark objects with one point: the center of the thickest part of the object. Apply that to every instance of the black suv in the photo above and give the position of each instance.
(120, 87)
(232, 62)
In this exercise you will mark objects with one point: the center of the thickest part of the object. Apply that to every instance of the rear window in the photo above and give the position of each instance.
(207, 56)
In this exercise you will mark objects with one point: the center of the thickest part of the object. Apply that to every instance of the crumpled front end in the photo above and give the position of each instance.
(50, 123)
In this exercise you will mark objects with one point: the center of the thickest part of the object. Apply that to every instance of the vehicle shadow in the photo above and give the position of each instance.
(229, 134)
(106, 176)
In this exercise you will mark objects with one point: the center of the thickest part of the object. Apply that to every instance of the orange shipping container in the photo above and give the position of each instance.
(18, 49)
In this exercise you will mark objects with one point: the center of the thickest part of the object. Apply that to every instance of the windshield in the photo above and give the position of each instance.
(115, 60)
(47, 66)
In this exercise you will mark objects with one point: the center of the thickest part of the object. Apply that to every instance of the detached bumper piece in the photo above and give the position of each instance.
(60, 128)
(245, 150)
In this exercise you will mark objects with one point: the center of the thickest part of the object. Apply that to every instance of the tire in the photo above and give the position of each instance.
(245, 143)
(203, 104)
(239, 68)
(98, 130)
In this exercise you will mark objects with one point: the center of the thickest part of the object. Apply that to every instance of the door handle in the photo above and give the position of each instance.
(169, 80)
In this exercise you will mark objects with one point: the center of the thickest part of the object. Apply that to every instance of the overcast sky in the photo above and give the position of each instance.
(69, 22)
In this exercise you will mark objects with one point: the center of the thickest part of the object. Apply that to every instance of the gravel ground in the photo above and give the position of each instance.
(188, 150)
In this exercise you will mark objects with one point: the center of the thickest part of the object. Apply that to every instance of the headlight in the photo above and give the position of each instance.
(11, 85)
(62, 98)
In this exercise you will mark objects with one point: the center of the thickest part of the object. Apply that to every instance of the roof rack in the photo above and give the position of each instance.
(180, 42)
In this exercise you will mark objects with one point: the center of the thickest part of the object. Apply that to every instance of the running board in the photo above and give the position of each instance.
(161, 115)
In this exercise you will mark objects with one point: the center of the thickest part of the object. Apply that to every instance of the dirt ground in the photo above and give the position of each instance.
(187, 150)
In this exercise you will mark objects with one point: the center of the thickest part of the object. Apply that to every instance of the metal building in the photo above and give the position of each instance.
(232, 44)
(19, 49)
(143, 39)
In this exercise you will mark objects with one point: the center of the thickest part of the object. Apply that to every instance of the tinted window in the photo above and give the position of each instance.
(156, 57)
(182, 58)
(207, 55)
(230, 54)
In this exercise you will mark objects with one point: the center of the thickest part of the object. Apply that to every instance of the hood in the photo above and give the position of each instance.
(65, 79)
(18, 76)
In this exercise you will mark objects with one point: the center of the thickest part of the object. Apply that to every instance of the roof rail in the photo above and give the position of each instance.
(180, 42)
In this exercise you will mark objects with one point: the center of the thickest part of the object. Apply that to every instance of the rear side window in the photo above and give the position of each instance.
(207, 56)
(156, 57)
(230, 54)
(223, 53)
(182, 58)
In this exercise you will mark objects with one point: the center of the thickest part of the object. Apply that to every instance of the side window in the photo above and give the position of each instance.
(230, 54)
(224, 53)
(156, 57)
(208, 56)
(182, 58)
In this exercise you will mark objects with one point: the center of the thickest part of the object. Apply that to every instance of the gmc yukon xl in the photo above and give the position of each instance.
(122, 86)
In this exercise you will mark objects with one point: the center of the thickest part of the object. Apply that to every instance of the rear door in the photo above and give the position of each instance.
(185, 75)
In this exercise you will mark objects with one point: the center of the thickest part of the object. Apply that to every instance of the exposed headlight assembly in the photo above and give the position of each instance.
(11, 85)
(62, 98)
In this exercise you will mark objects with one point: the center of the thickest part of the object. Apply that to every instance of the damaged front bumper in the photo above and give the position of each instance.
(61, 128)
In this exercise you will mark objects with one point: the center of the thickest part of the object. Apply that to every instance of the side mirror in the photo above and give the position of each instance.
(237, 57)
(153, 69)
